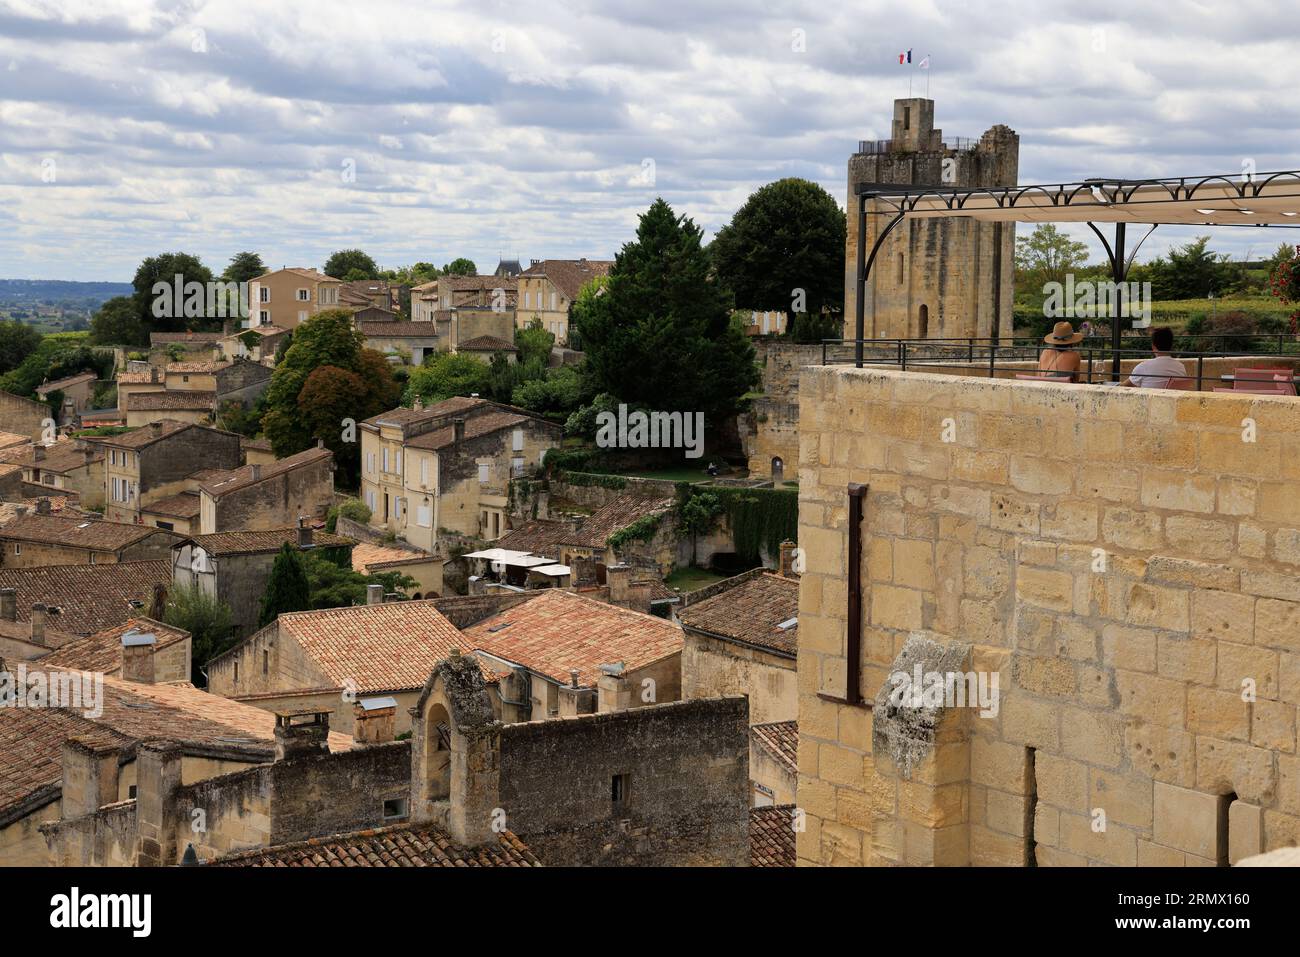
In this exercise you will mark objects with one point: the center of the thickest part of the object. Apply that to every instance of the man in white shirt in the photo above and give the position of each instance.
(1162, 371)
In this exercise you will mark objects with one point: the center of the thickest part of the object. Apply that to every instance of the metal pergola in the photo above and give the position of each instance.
(1241, 199)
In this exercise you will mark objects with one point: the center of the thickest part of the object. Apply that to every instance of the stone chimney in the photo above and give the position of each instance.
(301, 732)
(155, 428)
(418, 404)
(8, 604)
(575, 700)
(304, 533)
(87, 454)
(38, 623)
(256, 470)
(42, 506)
(138, 656)
(373, 720)
(158, 602)
(788, 548)
(89, 777)
(619, 579)
(158, 775)
(612, 690)
(38, 453)
(374, 594)
(458, 429)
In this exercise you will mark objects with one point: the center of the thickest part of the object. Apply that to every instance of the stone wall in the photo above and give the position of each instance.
(685, 770)
(712, 667)
(1125, 561)
(274, 502)
(24, 416)
(776, 414)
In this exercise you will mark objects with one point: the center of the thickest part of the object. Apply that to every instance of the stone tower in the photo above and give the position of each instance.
(933, 278)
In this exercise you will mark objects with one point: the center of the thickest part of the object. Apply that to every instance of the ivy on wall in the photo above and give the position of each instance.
(642, 530)
(760, 518)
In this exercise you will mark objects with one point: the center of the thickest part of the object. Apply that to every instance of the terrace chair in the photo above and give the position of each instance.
(1183, 383)
(1253, 378)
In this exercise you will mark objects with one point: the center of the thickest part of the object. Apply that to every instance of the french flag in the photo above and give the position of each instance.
(905, 57)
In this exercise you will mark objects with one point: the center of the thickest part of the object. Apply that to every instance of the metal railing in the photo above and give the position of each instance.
(1020, 355)
(956, 144)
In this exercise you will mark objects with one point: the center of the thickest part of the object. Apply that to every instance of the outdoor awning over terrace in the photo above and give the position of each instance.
(1241, 199)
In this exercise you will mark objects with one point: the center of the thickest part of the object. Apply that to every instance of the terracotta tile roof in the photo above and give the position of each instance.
(540, 536)
(89, 598)
(781, 738)
(312, 274)
(176, 400)
(75, 533)
(771, 836)
(382, 329)
(60, 457)
(481, 283)
(181, 505)
(200, 367)
(402, 845)
(102, 651)
(486, 344)
(386, 647)
(570, 275)
(10, 439)
(750, 612)
(162, 338)
(268, 540)
(263, 445)
(65, 505)
(368, 556)
(478, 426)
(138, 378)
(147, 434)
(404, 416)
(66, 381)
(243, 477)
(559, 631)
(31, 740)
(618, 513)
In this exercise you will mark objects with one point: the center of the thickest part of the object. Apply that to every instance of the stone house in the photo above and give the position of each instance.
(234, 380)
(485, 347)
(258, 344)
(192, 406)
(448, 467)
(165, 347)
(73, 468)
(84, 599)
(742, 638)
(1121, 561)
(158, 461)
(176, 513)
(774, 764)
(133, 381)
(255, 497)
(30, 639)
(414, 341)
(137, 649)
(78, 390)
(548, 287)
(233, 567)
(45, 539)
(286, 298)
(331, 658)
(371, 558)
(560, 654)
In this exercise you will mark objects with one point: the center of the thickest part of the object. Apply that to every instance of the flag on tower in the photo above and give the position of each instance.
(925, 62)
(905, 57)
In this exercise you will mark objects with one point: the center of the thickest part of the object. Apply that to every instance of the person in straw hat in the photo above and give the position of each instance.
(1061, 359)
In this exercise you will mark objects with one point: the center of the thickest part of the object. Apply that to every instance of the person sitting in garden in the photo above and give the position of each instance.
(1062, 360)
(1161, 371)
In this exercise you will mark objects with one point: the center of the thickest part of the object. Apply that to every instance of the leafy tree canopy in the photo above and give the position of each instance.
(164, 268)
(207, 619)
(17, 341)
(448, 374)
(244, 267)
(1047, 255)
(346, 262)
(460, 267)
(787, 238)
(117, 323)
(661, 334)
(286, 588)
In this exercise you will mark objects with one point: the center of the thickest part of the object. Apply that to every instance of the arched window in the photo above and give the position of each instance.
(778, 470)
(923, 321)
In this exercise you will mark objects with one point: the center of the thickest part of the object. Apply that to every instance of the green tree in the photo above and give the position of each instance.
(17, 341)
(352, 509)
(207, 619)
(785, 249)
(697, 516)
(336, 586)
(286, 588)
(117, 323)
(555, 395)
(1190, 271)
(323, 380)
(449, 374)
(346, 261)
(662, 331)
(582, 306)
(1047, 255)
(244, 267)
(460, 267)
(534, 342)
(164, 268)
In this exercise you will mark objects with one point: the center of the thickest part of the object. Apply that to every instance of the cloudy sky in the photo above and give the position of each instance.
(426, 131)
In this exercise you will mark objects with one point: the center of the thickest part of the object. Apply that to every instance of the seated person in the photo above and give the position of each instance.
(1162, 371)
(1062, 359)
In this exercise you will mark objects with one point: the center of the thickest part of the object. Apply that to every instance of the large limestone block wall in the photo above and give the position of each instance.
(1126, 561)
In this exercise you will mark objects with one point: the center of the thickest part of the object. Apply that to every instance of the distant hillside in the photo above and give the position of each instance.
(89, 294)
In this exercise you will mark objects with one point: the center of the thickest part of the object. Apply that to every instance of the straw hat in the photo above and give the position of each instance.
(1063, 334)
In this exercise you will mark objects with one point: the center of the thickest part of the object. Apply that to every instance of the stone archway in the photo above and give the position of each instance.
(778, 470)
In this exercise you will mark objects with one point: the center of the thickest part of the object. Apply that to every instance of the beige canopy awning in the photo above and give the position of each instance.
(1260, 199)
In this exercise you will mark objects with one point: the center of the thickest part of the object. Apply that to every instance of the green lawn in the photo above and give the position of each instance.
(692, 577)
